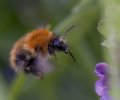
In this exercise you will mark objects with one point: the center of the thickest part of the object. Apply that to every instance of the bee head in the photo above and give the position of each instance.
(59, 44)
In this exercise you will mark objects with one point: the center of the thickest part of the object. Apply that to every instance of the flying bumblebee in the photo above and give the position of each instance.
(29, 52)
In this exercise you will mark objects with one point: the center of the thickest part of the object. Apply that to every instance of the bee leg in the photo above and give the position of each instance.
(51, 51)
(27, 70)
(33, 69)
(72, 56)
(54, 54)
(37, 72)
(41, 76)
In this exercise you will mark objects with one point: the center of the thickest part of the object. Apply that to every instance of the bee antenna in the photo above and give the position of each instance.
(72, 56)
(55, 56)
(69, 29)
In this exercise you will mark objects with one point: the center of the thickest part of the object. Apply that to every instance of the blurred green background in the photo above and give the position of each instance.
(69, 80)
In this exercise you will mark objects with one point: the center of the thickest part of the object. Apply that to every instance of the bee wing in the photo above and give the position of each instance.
(41, 66)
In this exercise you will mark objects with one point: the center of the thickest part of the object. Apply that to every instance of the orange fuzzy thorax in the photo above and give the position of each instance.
(40, 37)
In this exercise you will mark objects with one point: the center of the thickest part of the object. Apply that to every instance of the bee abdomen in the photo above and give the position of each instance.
(28, 63)
(22, 58)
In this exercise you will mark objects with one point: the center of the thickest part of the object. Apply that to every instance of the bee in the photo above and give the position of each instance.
(30, 52)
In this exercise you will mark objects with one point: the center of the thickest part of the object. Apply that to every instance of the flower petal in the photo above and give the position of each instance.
(101, 69)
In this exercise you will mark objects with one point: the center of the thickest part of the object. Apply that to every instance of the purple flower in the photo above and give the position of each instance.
(101, 70)
(101, 85)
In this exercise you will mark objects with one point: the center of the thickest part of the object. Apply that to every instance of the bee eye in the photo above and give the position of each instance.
(56, 43)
